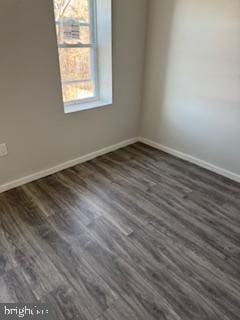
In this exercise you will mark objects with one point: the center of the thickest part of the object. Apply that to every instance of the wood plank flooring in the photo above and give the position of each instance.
(132, 235)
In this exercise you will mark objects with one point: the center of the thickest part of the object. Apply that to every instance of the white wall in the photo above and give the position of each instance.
(192, 79)
(32, 123)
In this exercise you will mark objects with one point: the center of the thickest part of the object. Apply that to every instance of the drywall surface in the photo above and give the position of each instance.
(32, 122)
(192, 79)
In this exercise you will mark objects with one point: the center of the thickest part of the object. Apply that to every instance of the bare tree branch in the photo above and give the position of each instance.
(61, 7)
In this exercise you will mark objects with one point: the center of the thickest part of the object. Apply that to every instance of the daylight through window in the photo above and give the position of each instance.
(75, 26)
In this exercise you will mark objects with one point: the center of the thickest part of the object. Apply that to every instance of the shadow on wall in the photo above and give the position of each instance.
(158, 48)
(166, 80)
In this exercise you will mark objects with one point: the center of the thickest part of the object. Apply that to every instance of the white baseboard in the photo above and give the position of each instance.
(65, 165)
(187, 157)
(90, 156)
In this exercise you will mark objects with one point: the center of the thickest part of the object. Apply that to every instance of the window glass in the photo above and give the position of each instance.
(75, 23)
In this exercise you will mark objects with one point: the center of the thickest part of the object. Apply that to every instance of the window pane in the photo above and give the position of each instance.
(74, 63)
(72, 33)
(77, 91)
(73, 9)
(77, 62)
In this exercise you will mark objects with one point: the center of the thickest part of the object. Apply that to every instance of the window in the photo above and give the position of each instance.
(84, 35)
(76, 34)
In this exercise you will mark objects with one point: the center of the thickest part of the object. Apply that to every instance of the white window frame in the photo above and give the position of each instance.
(101, 17)
(93, 45)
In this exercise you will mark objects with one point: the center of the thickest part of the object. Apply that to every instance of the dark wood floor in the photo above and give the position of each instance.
(133, 235)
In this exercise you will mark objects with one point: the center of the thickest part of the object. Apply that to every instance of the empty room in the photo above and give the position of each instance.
(120, 159)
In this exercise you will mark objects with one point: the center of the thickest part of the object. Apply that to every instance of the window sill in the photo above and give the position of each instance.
(86, 106)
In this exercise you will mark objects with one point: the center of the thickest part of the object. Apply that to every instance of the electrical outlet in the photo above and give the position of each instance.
(3, 150)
